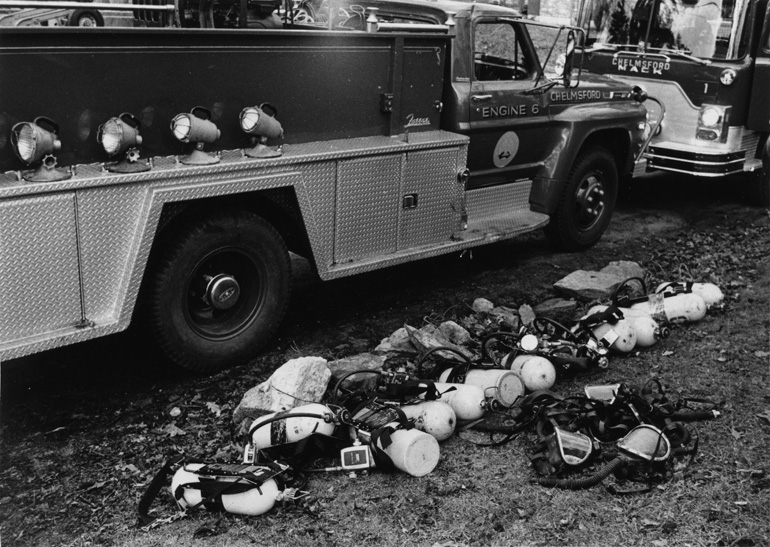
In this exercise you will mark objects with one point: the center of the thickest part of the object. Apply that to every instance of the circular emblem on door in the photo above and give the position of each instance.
(506, 149)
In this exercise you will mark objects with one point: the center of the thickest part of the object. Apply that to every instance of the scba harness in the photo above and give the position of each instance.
(241, 489)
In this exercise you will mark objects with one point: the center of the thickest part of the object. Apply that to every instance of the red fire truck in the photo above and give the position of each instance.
(707, 62)
(163, 174)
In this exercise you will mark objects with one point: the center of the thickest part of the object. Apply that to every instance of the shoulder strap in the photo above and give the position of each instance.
(154, 488)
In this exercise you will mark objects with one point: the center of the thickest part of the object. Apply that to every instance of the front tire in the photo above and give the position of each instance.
(85, 18)
(586, 205)
(759, 187)
(219, 290)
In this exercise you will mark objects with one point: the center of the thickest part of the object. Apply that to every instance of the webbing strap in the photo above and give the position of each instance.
(154, 488)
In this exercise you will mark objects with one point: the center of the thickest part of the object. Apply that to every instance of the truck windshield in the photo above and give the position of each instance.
(704, 29)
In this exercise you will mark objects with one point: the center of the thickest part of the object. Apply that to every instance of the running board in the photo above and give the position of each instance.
(494, 214)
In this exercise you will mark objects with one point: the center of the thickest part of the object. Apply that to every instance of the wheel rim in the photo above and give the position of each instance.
(224, 293)
(589, 202)
(87, 21)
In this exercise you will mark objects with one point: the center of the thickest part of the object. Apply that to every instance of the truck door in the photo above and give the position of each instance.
(759, 105)
(505, 123)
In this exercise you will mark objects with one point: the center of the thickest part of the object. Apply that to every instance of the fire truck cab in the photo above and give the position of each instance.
(707, 65)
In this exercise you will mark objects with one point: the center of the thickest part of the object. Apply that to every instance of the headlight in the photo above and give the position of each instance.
(710, 117)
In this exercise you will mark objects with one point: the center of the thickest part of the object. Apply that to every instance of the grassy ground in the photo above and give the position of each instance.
(85, 428)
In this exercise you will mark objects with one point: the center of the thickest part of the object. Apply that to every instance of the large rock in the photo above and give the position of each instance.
(295, 383)
(398, 342)
(623, 269)
(482, 305)
(456, 333)
(506, 317)
(558, 309)
(430, 337)
(347, 365)
(587, 285)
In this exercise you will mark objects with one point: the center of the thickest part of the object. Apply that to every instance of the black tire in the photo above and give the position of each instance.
(758, 191)
(586, 205)
(85, 18)
(196, 266)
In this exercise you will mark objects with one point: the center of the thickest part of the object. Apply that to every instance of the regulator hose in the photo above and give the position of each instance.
(584, 482)
(421, 373)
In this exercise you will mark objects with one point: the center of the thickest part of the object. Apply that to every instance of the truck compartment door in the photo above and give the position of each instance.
(39, 266)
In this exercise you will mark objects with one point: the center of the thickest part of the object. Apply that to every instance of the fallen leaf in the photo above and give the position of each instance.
(173, 430)
(214, 408)
(764, 416)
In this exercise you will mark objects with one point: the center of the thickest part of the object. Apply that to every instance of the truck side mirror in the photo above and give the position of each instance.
(569, 59)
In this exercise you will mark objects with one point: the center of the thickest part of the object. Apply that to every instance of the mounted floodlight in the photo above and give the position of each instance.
(121, 135)
(37, 141)
(259, 122)
(196, 128)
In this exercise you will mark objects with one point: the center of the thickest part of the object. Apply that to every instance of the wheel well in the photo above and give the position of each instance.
(617, 142)
(278, 206)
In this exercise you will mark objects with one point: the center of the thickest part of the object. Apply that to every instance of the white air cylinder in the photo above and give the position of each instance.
(467, 401)
(500, 385)
(255, 501)
(412, 451)
(647, 330)
(291, 428)
(683, 307)
(711, 294)
(619, 336)
(435, 418)
(515, 363)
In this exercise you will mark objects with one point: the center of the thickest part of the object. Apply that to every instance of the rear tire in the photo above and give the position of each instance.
(219, 290)
(586, 205)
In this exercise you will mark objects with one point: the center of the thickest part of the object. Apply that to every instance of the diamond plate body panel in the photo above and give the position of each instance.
(497, 209)
(432, 178)
(38, 265)
(109, 219)
(115, 218)
(367, 207)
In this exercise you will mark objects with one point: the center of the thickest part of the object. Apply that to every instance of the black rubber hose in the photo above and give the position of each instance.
(584, 482)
